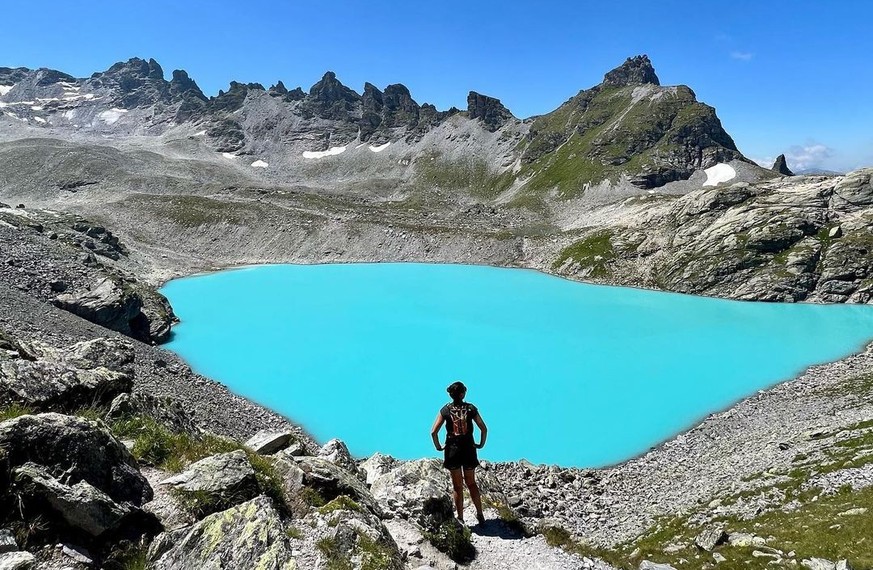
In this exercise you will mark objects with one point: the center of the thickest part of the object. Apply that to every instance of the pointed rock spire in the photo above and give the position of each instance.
(781, 166)
(490, 110)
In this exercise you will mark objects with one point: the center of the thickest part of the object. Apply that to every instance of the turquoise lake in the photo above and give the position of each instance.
(562, 372)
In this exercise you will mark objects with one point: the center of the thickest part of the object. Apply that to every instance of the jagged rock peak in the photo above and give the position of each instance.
(278, 89)
(181, 84)
(490, 110)
(330, 89)
(781, 166)
(138, 67)
(634, 71)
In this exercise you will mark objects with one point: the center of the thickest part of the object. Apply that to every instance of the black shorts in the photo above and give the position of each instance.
(460, 453)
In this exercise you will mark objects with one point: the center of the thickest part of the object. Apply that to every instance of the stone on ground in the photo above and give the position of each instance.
(250, 535)
(268, 442)
(216, 483)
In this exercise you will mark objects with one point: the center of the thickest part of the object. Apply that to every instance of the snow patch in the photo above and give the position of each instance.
(200, 134)
(260, 164)
(228, 155)
(4, 89)
(39, 119)
(719, 173)
(111, 116)
(332, 151)
(70, 115)
(379, 148)
(36, 107)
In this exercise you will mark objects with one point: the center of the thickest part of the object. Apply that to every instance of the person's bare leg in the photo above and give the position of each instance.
(458, 491)
(470, 480)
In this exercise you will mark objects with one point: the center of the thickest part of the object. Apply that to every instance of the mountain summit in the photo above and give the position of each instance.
(629, 130)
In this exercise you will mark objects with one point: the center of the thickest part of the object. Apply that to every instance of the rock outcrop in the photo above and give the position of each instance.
(634, 71)
(215, 483)
(780, 166)
(488, 110)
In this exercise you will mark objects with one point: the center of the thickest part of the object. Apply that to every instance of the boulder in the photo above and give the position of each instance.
(267, 442)
(250, 535)
(78, 449)
(376, 466)
(215, 483)
(87, 373)
(331, 481)
(165, 411)
(82, 506)
(337, 453)
(710, 538)
(745, 540)
(17, 561)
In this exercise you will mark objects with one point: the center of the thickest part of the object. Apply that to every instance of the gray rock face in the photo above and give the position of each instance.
(267, 442)
(376, 466)
(634, 71)
(818, 564)
(82, 506)
(17, 561)
(216, 483)
(781, 166)
(78, 450)
(251, 535)
(87, 373)
(489, 110)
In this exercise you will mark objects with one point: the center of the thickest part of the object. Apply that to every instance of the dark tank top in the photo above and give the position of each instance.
(459, 419)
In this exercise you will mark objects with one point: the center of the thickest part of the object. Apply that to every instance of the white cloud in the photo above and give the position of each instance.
(742, 55)
(802, 157)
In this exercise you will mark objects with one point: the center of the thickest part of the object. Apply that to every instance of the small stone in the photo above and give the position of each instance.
(843, 565)
(741, 539)
(835, 232)
(78, 554)
(853, 512)
(648, 565)
(718, 558)
(818, 564)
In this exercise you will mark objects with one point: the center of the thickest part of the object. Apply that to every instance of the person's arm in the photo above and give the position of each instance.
(435, 430)
(483, 429)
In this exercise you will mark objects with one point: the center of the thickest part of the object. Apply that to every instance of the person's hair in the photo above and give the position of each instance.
(457, 390)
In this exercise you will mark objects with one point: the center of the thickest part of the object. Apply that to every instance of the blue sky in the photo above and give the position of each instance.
(785, 77)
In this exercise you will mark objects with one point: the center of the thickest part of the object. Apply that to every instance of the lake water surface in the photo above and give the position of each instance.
(562, 372)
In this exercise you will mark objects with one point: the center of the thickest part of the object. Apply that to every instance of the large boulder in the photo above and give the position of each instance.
(331, 481)
(250, 535)
(267, 442)
(87, 373)
(215, 483)
(124, 306)
(82, 506)
(77, 450)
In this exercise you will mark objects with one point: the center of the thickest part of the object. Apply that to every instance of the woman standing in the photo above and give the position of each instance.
(460, 450)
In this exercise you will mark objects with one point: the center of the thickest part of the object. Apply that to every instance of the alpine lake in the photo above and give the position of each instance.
(562, 372)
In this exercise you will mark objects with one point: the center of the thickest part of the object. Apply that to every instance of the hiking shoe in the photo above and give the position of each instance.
(480, 517)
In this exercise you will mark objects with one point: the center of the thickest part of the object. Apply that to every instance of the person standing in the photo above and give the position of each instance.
(460, 449)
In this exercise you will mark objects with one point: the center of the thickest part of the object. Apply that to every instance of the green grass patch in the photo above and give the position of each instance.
(595, 252)
(341, 503)
(12, 411)
(454, 540)
(312, 497)
(294, 532)
(375, 555)
(194, 211)
(334, 556)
